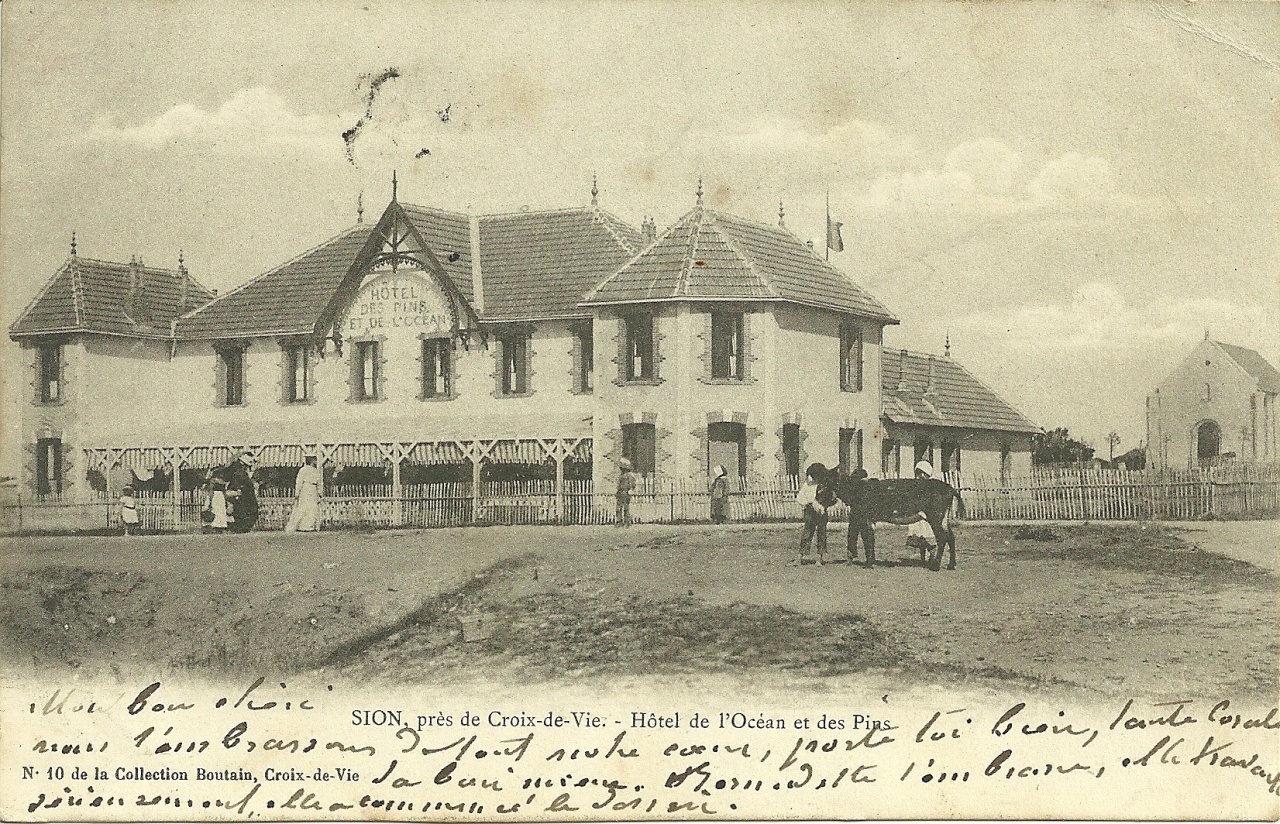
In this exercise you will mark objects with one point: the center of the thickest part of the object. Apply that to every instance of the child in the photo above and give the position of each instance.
(128, 511)
(813, 499)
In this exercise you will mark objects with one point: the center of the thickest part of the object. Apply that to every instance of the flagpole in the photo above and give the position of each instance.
(827, 228)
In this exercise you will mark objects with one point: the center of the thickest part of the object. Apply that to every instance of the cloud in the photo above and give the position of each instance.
(1099, 318)
(256, 120)
(987, 175)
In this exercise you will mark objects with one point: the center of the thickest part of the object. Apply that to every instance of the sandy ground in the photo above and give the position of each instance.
(1103, 610)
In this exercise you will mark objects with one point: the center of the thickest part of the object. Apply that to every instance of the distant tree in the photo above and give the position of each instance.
(1058, 447)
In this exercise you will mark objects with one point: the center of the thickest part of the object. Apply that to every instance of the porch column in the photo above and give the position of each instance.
(475, 486)
(397, 491)
(559, 457)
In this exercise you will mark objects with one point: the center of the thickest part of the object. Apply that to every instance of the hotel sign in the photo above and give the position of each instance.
(399, 301)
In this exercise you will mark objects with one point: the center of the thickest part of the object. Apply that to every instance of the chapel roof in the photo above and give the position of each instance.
(1257, 366)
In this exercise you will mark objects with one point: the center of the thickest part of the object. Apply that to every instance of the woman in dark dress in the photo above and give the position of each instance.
(242, 493)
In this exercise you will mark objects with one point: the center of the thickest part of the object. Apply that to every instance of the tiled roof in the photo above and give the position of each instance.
(533, 265)
(1256, 365)
(448, 235)
(713, 255)
(285, 301)
(87, 295)
(540, 264)
(958, 398)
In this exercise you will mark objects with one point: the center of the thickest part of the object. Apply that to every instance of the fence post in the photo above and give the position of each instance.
(560, 519)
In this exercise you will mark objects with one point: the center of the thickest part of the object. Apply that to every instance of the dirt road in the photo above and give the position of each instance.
(1098, 609)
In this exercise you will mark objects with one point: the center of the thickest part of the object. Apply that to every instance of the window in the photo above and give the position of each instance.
(297, 369)
(727, 346)
(366, 382)
(850, 357)
(791, 448)
(950, 457)
(891, 459)
(50, 357)
(514, 379)
(727, 446)
(923, 452)
(437, 367)
(850, 450)
(231, 376)
(639, 445)
(639, 365)
(1208, 392)
(584, 360)
(49, 466)
(1006, 464)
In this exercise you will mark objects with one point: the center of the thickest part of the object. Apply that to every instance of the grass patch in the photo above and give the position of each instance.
(1151, 550)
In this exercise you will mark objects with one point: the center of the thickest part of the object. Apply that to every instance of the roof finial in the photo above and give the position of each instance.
(699, 190)
(73, 243)
(181, 262)
(360, 207)
(595, 191)
(782, 215)
(946, 349)
(394, 185)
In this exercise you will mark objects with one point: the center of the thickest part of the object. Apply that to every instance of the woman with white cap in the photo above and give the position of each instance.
(306, 509)
(719, 495)
(920, 533)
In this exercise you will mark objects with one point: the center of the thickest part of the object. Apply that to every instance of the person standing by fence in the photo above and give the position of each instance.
(129, 511)
(720, 495)
(242, 493)
(306, 508)
(626, 483)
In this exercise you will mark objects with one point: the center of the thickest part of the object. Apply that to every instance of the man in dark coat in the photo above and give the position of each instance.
(242, 493)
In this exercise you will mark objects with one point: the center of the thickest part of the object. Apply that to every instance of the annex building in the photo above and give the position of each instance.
(438, 346)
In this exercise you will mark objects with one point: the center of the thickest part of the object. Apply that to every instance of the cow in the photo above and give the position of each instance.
(898, 501)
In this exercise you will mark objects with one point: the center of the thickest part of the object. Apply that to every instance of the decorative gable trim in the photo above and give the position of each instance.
(395, 230)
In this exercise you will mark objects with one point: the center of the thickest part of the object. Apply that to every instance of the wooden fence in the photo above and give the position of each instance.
(1067, 495)
(1244, 490)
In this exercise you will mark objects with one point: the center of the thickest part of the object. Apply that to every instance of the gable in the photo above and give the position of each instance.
(399, 278)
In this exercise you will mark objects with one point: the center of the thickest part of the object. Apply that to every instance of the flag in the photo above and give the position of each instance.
(834, 242)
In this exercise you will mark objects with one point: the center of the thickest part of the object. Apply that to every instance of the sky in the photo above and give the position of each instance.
(1074, 193)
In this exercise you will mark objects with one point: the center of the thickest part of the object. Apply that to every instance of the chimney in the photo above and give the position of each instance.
(649, 229)
(135, 286)
(902, 371)
(929, 388)
(183, 284)
(809, 243)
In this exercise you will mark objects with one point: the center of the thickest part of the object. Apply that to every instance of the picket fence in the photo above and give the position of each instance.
(1065, 495)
